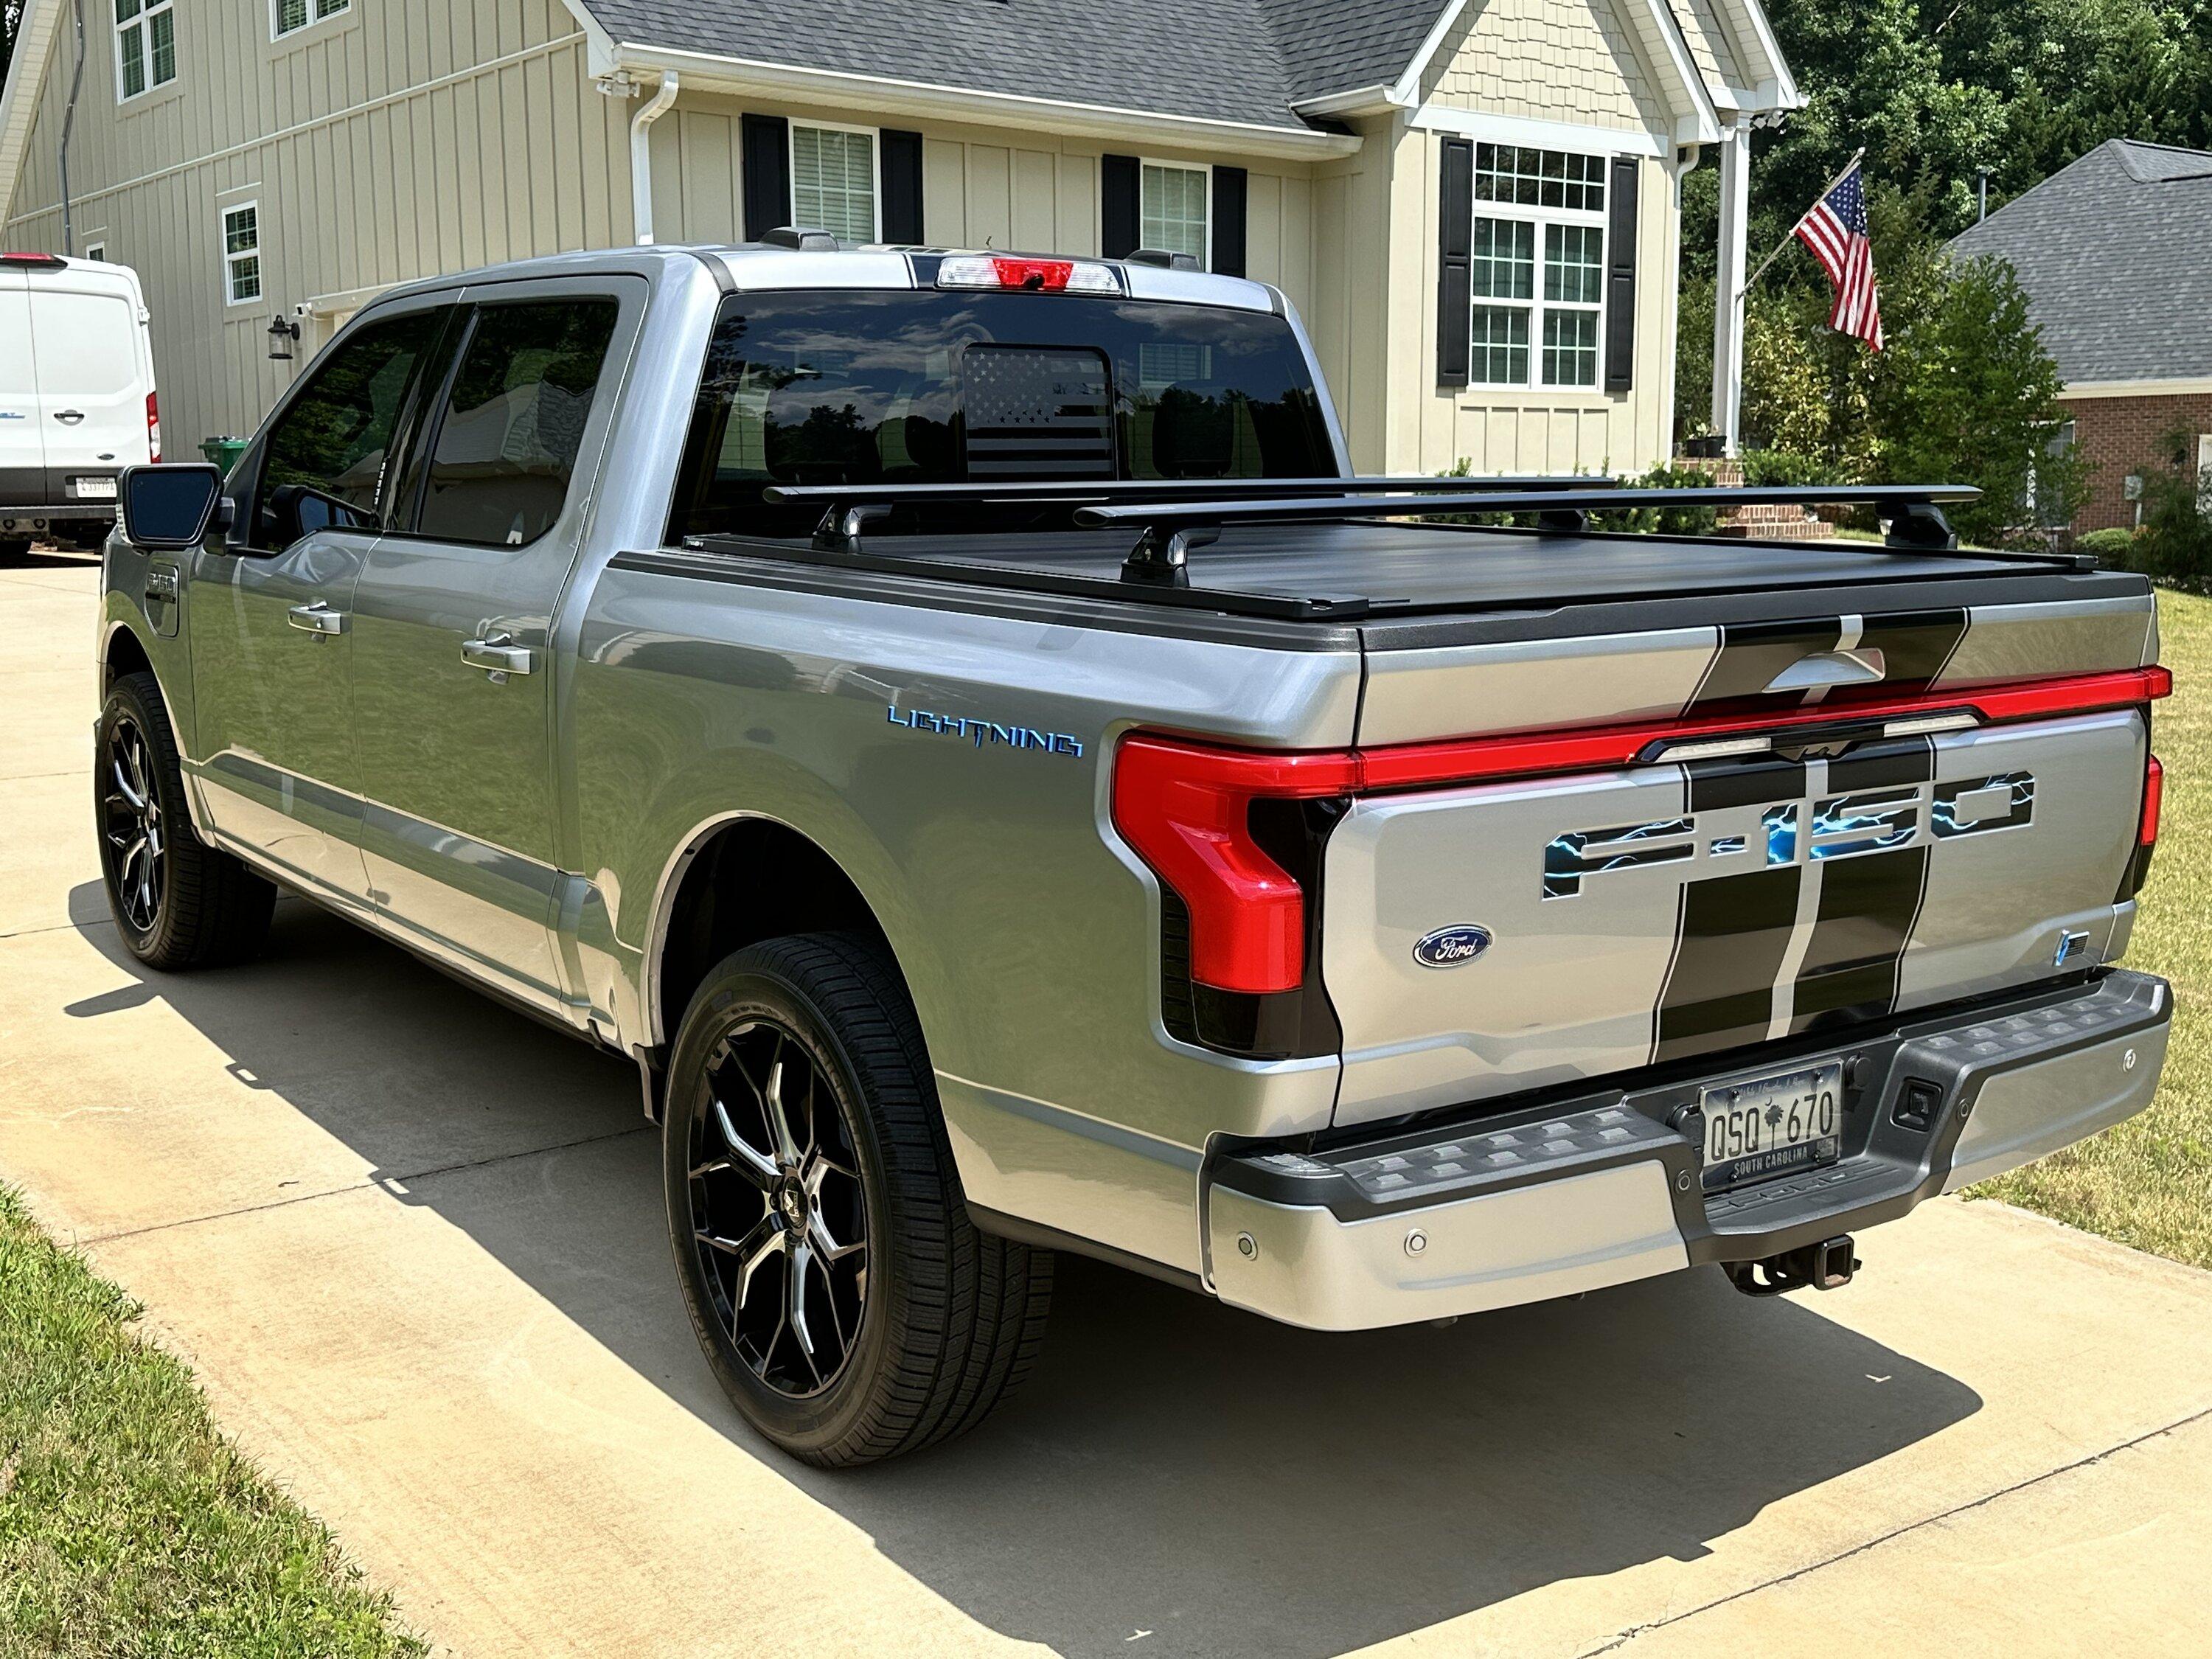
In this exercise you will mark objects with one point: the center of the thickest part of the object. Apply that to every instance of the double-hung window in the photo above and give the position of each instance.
(833, 181)
(1171, 205)
(290, 16)
(1538, 267)
(145, 45)
(241, 252)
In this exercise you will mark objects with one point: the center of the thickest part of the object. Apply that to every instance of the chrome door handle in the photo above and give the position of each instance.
(71, 415)
(316, 617)
(498, 653)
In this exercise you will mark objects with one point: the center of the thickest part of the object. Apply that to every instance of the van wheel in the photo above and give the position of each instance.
(845, 1302)
(177, 902)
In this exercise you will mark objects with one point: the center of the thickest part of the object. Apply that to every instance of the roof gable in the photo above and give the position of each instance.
(2109, 252)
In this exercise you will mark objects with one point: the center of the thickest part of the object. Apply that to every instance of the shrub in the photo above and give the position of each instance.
(2175, 543)
(2115, 549)
(1663, 520)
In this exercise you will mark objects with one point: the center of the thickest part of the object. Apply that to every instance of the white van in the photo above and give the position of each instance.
(77, 396)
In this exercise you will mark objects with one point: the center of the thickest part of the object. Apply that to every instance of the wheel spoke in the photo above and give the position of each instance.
(795, 1293)
(754, 1166)
(134, 799)
(779, 1113)
(776, 1243)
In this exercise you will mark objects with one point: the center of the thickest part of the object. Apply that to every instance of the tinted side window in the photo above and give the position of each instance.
(328, 453)
(509, 435)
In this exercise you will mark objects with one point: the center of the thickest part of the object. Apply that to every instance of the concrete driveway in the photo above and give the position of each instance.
(411, 1244)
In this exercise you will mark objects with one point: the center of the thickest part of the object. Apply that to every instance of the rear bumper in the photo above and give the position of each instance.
(1576, 1194)
(12, 517)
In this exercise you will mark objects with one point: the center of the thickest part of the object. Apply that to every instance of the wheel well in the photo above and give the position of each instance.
(754, 879)
(124, 656)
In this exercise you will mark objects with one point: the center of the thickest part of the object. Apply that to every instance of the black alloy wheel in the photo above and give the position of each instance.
(778, 1213)
(134, 850)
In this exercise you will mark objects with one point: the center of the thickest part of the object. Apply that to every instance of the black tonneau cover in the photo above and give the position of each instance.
(1378, 570)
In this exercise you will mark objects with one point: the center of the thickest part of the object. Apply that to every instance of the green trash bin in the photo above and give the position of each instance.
(223, 452)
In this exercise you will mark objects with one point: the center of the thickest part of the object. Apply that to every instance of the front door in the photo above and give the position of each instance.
(268, 610)
(453, 669)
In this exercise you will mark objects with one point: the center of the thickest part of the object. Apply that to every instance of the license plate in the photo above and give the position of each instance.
(1772, 1125)
(103, 489)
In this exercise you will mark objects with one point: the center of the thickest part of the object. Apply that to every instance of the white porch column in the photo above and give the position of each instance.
(1734, 158)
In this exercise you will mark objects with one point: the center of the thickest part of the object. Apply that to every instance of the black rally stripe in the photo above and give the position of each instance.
(1915, 644)
(1728, 949)
(1868, 905)
(1723, 783)
(1752, 653)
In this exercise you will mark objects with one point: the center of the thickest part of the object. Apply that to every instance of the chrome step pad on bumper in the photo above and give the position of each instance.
(1601, 1189)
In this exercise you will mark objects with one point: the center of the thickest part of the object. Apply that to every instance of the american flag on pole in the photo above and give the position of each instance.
(1835, 231)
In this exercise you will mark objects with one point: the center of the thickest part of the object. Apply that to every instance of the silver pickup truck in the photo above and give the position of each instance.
(957, 722)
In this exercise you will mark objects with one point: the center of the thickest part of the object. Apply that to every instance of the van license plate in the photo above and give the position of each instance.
(94, 488)
(1772, 1125)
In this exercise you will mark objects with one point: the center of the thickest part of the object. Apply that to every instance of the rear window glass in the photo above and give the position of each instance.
(929, 387)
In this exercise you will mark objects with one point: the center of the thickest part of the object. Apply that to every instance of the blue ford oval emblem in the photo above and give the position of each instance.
(1448, 947)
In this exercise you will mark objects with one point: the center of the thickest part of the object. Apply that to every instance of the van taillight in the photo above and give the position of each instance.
(153, 430)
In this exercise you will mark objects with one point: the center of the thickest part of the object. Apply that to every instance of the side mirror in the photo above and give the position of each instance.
(169, 509)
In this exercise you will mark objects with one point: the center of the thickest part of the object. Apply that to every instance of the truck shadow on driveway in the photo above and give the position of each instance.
(1175, 1467)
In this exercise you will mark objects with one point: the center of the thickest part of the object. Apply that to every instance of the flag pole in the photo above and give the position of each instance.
(1857, 156)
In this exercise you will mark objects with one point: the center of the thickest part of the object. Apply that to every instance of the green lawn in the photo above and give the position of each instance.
(128, 1524)
(2148, 1183)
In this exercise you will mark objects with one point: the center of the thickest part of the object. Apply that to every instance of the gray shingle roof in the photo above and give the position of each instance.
(1223, 60)
(2112, 253)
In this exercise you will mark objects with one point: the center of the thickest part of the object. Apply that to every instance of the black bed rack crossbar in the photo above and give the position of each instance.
(1170, 529)
(848, 508)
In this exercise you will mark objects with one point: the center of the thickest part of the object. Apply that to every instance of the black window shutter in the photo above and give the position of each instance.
(1229, 187)
(1621, 276)
(1455, 258)
(901, 162)
(1117, 205)
(766, 140)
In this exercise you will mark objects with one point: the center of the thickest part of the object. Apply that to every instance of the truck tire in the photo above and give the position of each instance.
(177, 902)
(848, 1305)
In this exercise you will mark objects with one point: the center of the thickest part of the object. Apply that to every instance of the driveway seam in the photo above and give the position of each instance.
(1635, 1630)
(383, 1182)
(60, 927)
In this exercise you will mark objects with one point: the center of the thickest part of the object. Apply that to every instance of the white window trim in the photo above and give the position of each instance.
(316, 17)
(1540, 217)
(1205, 167)
(875, 135)
(140, 23)
(97, 250)
(223, 210)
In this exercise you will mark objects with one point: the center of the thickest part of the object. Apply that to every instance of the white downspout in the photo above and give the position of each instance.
(1727, 285)
(640, 155)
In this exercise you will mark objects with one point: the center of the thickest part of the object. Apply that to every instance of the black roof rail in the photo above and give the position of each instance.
(806, 238)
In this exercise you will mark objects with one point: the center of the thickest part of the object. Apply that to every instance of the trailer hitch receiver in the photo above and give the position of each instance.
(1824, 1266)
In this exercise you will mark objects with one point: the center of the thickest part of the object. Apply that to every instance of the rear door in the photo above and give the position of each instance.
(22, 438)
(454, 670)
(91, 385)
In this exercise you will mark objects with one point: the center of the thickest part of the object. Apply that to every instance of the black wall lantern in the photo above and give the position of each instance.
(283, 335)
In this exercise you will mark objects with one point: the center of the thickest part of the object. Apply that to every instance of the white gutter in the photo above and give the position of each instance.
(641, 156)
(2196, 385)
(19, 100)
(882, 95)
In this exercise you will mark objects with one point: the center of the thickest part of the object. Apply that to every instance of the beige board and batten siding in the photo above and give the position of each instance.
(1569, 64)
(395, 140)
(982, 186)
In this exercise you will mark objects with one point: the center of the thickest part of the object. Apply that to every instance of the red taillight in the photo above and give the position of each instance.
(2154, 798)
(152, 428)
(1187, 809)
(35, 261)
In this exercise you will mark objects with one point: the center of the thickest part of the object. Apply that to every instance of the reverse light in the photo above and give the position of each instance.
(1019, 274)
(153, 430)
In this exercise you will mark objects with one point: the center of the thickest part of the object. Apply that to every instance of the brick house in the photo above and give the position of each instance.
(2112, 253)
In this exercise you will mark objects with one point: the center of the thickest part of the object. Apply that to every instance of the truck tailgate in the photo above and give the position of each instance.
(1682, 902)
